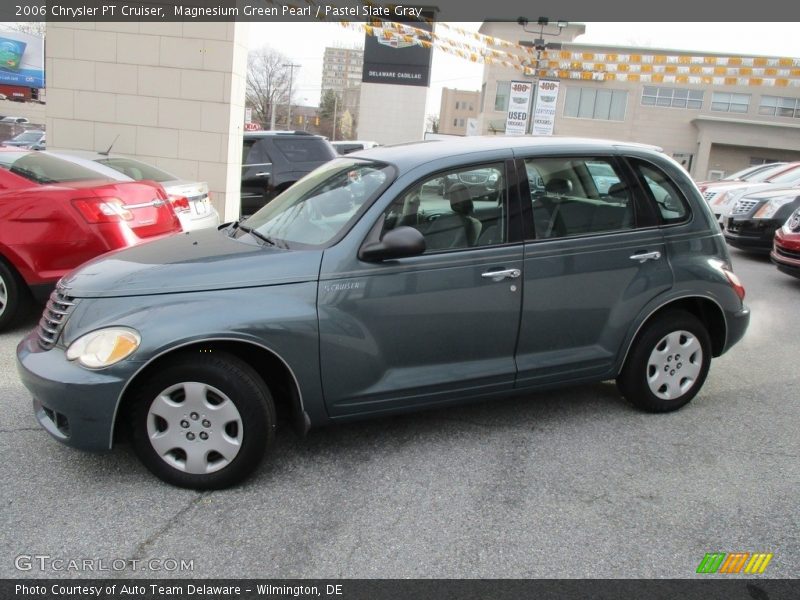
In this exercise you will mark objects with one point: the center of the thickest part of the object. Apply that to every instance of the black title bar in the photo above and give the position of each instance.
(357, 10)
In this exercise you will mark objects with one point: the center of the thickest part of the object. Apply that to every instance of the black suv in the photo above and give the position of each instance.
(274, 160)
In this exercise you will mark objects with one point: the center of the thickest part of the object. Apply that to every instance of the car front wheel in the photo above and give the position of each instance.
(202, 420)
(667, 364)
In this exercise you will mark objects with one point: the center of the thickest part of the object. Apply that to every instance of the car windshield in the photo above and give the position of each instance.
(28, 136)
(44, 169)
(322, 204)
(790, 177)
(135, 169)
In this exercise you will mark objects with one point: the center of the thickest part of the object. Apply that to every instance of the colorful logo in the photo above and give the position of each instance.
(734, 563)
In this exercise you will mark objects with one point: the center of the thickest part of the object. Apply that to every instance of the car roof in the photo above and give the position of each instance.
(265, 134)
(410, 155)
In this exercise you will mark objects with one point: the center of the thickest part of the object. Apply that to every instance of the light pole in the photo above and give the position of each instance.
(292, 67)
(540, 45)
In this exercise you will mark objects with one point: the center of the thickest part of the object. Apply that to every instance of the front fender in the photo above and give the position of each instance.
(281, 319)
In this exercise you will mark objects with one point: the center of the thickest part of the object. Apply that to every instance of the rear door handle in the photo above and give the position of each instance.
(502, 274)
(643, 257)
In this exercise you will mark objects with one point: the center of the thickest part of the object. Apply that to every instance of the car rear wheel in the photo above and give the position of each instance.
(202, 421)
(13, 297)
(667, 364)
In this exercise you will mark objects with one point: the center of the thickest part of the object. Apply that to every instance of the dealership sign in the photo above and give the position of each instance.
(544, 115)
(395, 59)
(519, 101)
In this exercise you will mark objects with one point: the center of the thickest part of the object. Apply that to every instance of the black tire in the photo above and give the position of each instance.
(644, 385)
(236, 382)
(14, 297)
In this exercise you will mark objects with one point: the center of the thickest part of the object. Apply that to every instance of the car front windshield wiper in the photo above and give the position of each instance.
(255, 233)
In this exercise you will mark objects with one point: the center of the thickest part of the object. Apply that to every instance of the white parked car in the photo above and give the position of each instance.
(190, 199)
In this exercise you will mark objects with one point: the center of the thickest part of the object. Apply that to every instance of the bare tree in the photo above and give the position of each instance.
(267, 84)
(432, 123)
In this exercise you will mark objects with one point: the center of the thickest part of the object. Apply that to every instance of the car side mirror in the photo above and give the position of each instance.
(396, 243)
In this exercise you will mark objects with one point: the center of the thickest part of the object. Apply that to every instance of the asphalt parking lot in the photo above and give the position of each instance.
(572, 483)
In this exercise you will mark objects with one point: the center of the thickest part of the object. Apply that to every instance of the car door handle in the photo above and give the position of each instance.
(502, 274)
(643, 257)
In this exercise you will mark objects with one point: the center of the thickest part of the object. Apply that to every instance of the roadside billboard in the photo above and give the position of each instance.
(21, 59)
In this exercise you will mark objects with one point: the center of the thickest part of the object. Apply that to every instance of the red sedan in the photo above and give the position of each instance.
(56, 215)
(786, 246)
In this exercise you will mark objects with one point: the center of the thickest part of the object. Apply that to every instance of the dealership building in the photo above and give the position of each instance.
(711, 129)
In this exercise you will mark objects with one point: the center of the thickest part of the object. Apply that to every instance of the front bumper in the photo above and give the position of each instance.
(786, 253)
(75, 405)
(751, 234)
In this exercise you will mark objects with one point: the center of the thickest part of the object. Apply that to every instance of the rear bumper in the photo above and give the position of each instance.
(737, 326)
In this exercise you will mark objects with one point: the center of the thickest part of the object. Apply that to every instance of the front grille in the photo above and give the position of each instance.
(55, 315)
(709, 196)
(743, 207)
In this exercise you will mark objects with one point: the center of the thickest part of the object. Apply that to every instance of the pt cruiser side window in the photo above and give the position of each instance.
(577, 196)
(670, 201)
(458, 209)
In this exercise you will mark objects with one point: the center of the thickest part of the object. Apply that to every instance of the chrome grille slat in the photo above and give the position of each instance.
(55, 316)
(743, 207)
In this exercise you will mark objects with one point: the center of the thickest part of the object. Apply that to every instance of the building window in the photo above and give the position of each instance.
(729, 102)
(455, 122)
(471, 108)
(775, 106)
(461, 123)
(458, 105)
(483, 96)
(672, 97)
(501, 97)
(594, 103)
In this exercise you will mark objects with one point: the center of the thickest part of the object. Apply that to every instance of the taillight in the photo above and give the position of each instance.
(103, 210)
(735, 282)
(179, 203)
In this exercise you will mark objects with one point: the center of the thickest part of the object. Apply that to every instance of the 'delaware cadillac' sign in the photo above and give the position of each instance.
(544, 115)
(519, 101)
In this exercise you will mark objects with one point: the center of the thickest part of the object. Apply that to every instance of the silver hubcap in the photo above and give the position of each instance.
(674, 365)
(195, 428)
(3, 295)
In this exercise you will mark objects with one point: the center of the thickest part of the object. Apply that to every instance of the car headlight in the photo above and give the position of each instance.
(104, 347)
(772, 206)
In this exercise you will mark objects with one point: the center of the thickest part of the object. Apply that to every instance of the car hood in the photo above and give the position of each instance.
(771, 192)
(189, 262)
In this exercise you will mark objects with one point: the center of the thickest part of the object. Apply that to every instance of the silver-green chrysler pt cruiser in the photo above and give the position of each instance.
(394, 279)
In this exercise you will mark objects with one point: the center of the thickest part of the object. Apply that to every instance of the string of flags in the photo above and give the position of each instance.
(595, 66)
(589, 66)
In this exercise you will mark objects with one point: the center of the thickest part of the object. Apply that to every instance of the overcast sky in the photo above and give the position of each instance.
(304, 44)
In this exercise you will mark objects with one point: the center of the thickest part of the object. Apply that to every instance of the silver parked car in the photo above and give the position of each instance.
(190, 199)
(366, 290)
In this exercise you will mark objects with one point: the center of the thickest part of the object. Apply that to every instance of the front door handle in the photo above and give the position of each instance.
(502, 274)
(643, 257)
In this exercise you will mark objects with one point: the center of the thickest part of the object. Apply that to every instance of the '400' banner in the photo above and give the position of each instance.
(544, 115)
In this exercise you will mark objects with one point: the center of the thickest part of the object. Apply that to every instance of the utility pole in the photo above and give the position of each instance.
(292, 67)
